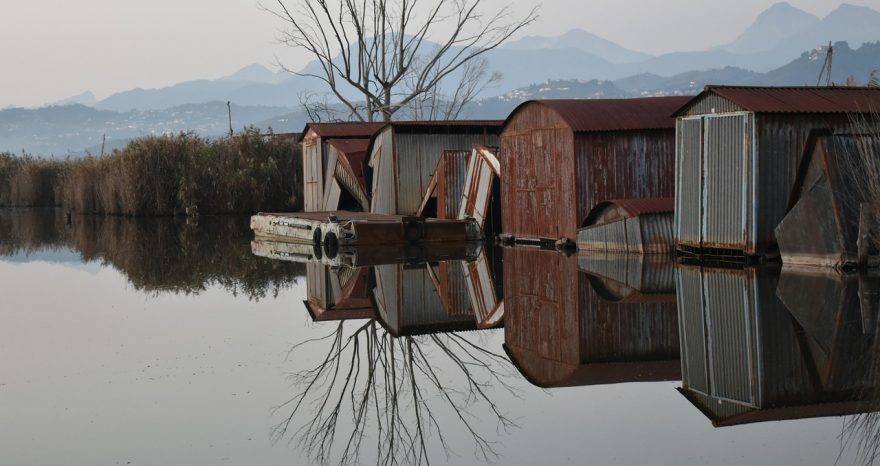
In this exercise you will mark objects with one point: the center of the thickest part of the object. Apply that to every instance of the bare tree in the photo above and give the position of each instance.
(373, 387)
(377, 57)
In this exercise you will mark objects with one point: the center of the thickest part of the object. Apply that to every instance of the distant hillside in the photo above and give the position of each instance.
(776, 24)
(71, 129)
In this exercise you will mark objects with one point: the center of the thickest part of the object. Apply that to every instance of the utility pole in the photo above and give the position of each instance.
(829, 57)
(229, 112)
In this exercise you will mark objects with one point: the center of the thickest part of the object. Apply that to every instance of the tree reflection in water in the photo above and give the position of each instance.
(374, 387)
(156, 255)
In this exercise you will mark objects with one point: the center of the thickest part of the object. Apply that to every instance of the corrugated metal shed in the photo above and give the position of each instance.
(559, 332)
(746, 357)
(802, 99)
(822, 225)
(737, 160)
(638, 226)
(560, 158)
(405, 155)
(322, 143)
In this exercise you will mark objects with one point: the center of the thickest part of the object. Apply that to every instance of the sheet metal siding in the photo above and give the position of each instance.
(781, 142)
(692, 327)
(453, 280)
(421, 305)
(712, 103)
(689, 181)
(657, 235)
(624, 332)
(647, 274)
(417, 156)
(541, 304)
(450, 192)
(726, 161)
(384, 191)
(349, 181)
(626, 164)
(537, 175)
(729, 314)
(313, 177)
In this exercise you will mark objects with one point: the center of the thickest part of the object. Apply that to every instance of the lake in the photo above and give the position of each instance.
(168, 341)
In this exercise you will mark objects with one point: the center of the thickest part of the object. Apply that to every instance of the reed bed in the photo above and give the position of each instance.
(161, 176)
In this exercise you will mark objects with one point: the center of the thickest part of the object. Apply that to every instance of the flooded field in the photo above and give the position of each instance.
(166, 342)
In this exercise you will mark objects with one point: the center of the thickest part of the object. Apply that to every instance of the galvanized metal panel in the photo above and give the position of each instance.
(710, 103)
(656, 233)
(726, 171)
(313, 175)
(488, 308)
(382, 160)
(692, 325)
(332, 195)
(482, 170)
(729, 314)
(689, 181)
(417, 155)
(316, 282)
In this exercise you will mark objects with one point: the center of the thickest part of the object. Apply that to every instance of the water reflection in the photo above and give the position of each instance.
(757, 346)
(748, 345)
(156, 255)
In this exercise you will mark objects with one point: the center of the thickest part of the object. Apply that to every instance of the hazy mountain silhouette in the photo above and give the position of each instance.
(583, 41)
(86, 98)
(776, 24)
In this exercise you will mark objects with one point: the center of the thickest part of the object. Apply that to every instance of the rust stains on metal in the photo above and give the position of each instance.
(340, 130)
(553, 174)
(587, 115)
(559, 332)
(804, 99)
(639, 226)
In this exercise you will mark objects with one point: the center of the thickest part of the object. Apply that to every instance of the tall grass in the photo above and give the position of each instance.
(163, 175)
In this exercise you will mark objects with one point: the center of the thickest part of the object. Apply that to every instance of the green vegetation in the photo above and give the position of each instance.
(163, 175)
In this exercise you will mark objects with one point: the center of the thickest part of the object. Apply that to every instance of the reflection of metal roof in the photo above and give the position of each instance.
(342, 130)
(796, 99)
(546, 373)
(595, 115)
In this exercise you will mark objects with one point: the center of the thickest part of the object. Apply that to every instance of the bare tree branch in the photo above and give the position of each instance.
(377, 57)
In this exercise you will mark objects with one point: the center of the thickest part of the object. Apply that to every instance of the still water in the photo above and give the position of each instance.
(163, 342)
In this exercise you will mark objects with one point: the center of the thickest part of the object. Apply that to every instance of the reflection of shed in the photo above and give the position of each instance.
(338, 293)
(561, 157)
(746, 358)
(738, 153)
(617, 277)
(327, 168)
(559, 332)
(641, 226)
(405, 155)
(408, 302)
(822, 224)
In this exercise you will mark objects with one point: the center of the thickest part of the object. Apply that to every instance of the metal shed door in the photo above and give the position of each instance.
(482, 169)
(726, 154)
(313, 181)
(689, 181)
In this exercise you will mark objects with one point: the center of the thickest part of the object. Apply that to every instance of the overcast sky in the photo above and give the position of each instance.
(52, 49)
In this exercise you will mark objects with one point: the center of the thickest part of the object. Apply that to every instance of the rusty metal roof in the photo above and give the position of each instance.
(453, 126)
(351, 146)
(804, 99)
(342, 130)
(596, 115)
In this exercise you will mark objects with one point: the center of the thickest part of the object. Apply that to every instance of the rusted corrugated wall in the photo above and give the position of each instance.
(623, 164)
(451, 182)
(538, 197)
(555, 324)
(551, 176)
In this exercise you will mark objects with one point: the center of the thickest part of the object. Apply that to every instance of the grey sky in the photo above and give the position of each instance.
(53, 49)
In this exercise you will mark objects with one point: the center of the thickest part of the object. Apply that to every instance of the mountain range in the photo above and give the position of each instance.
(781, 47)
